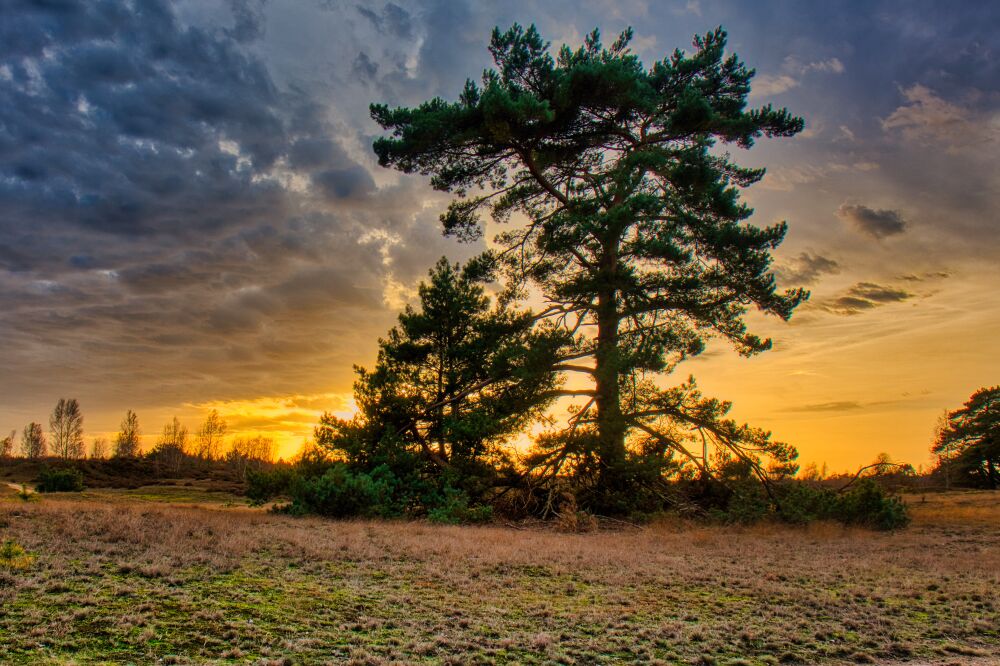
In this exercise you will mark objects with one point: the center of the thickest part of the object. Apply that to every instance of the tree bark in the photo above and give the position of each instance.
(611, 426)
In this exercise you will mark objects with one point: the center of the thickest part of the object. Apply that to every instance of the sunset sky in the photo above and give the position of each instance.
(191, 216)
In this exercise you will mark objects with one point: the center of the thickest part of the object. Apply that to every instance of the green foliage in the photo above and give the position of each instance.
(863, 505)
(14, 556)
(636, 236)
(453, 509)
(263, 485)
(341, 493)
(733, 495)
(454, 380)
(61, 480)
(968, 442)
(868, 505)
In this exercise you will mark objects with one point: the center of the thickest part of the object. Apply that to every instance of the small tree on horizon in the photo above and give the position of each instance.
(33, 444)
(208, 441)
(250, 453)
(127, 441)
(99, 448)
(66, 425)
(172, 446)
(7, 445)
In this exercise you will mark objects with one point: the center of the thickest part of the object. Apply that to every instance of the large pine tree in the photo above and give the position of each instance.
(624, 214)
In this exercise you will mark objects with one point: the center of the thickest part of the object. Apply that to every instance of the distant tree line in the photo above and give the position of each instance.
(174, 447)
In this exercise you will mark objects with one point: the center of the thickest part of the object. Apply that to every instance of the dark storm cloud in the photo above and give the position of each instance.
(806, 269)
(365, 68)
(352, 182)
(865, 296)
(119, 120)
(248, 19)
(876, 223)
(392, 20)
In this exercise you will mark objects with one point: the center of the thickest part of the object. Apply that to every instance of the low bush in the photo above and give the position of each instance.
(14, 556)
(263, 485)
(866, 504)
(453, 508)
(66, 480)
(341, 493)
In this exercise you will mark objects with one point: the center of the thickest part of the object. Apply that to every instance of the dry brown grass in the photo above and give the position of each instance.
(139, 582)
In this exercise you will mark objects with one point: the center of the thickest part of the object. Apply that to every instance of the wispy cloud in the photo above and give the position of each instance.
(806, 269)
(927, 117)
(865, 296)
(793, 70)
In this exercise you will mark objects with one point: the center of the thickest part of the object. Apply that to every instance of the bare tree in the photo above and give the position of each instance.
(172, 446)
(7, 445)
(250, 452)
(127, 439)
(33, 443)
(99, 448)
(208, 443)
(66, 424)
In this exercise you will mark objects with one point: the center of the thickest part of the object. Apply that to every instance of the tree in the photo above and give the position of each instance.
(127, 441)
(99, 448)
(172, 446)
(7, 445)
(968, 442)
(33, 443)
(250, 452)
(208, 442)
(453, 381)
(629, 225)
(66, 424)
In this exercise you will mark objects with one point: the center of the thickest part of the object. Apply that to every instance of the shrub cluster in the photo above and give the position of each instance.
(64, 480)
(337, 490)
(866, 504)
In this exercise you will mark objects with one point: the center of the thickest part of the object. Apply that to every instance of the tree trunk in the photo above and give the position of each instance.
(610, 424)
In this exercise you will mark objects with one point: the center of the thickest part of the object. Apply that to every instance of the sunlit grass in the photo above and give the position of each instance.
(140, 579)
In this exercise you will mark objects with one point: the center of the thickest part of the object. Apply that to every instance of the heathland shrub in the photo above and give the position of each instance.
(263, 485)
(341, 493)
(453, 508)
(63, 480)
(14, 556)
(866, 504)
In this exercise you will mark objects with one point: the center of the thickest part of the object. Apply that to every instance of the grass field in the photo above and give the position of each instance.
(136, 577)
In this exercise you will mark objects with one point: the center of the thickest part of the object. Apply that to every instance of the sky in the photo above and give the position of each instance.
(192, 218)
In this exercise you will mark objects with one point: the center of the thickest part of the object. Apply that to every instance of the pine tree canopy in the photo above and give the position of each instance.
(454, 380)
(970, 439)
(618, 205)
